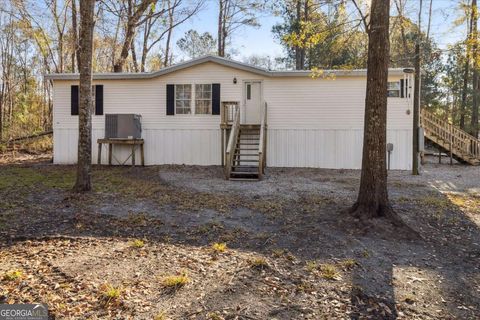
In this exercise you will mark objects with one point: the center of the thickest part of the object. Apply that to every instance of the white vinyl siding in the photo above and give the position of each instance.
(311, 122)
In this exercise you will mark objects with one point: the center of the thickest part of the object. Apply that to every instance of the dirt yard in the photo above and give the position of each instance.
(179, 242)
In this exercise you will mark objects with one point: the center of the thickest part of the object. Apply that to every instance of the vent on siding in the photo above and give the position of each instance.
(111, 126)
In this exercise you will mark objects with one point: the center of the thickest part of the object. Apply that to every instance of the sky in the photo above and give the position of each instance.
(260, 40)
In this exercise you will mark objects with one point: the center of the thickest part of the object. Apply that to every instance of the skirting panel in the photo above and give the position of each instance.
(162, 146)
(334, 149)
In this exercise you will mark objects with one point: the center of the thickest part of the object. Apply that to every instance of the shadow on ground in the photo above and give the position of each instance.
(290, 254)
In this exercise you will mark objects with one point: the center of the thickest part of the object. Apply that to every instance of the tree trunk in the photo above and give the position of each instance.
(171, 10)
(221, 53)
(134, 57)
(75, 53)
(84, 162)
(298, 50)
(373, 195)
(416, 97)
(476, 89)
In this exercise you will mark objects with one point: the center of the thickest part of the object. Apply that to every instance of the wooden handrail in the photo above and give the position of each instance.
(457, 139)
(262, 143)
(228, 111)
(232, 139)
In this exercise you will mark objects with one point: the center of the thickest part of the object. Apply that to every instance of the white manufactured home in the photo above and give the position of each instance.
(208, 110)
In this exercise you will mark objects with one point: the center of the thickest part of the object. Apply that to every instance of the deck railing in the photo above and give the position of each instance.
(228, 112)
(451, 136)
(232, 140)
(262, 144)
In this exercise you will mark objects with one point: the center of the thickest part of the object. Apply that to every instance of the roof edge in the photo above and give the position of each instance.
(218, 60)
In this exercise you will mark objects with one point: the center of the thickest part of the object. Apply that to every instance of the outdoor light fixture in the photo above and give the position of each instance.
(408, 70)
(235, 80)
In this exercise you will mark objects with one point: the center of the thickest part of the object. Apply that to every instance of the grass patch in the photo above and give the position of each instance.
(175, 282)
(12, 275)
(435, 201)
(311, 265)
(12, 177)
(137, 243)
(162, 315)
(259, 263)
(219, 247)
(329, 271)
(349, 263)
(467, 202)
(110, 293)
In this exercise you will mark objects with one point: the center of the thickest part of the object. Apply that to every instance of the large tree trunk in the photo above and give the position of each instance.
(476, 88)
(84, 162)
(373, 195)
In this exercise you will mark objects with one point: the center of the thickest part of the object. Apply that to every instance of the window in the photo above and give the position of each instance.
(203, 99)
(183, 98)
(393, 89)
(249, 91)
(94, 92)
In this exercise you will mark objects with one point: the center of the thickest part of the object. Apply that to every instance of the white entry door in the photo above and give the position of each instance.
(253, 103)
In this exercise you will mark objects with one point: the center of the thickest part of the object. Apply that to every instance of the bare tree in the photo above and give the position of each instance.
(233, 14)
(75, 52)
(476, 66)
(84, 162)
(134, 19)
(463, 104)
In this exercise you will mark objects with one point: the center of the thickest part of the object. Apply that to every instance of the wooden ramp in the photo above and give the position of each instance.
(464, 147)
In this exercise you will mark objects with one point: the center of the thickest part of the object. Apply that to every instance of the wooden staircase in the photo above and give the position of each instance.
(464, 147)
(245, 153)
(246, 161)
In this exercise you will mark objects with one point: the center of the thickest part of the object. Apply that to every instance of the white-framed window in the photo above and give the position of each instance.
(203, 99)
(393, 89)
(183, 99)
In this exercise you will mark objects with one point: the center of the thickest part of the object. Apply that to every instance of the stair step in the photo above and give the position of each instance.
(247, 154)
(243, 160)
(248, 144)
(244, 179)
(244, 173)
(246, 149)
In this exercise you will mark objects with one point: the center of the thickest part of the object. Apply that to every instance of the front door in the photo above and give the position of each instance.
(253, 103)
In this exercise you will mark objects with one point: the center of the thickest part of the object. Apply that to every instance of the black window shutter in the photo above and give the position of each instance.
(402, 88)
(216, 98)
(170, 99)
(99, 100)
(74, 101)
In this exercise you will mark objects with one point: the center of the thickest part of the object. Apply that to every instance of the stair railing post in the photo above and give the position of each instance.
(451, 144)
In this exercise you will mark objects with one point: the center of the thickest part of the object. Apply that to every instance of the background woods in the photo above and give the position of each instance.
(41, 36)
